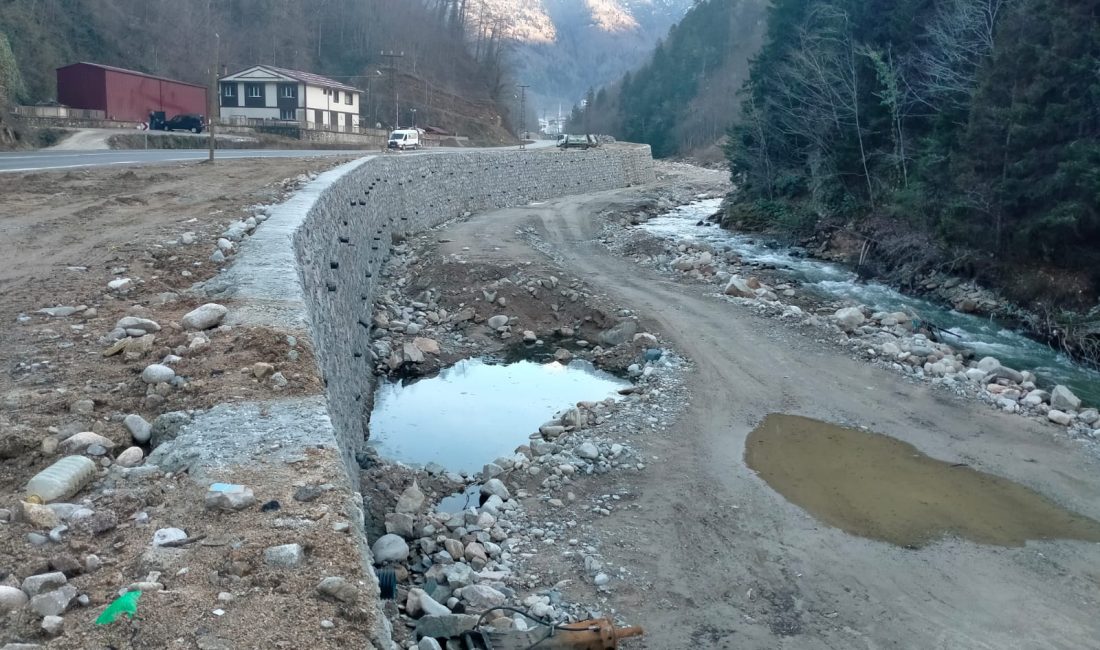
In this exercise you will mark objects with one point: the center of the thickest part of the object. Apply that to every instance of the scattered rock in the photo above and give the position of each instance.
(389, 548)
(587, 451)
(138, 427)
(120, 285)
(144, 325)
(12, 599)
(53, 603)
(205, 317)
(81, 442)
(1059, 417)
(849, 318)
(497, 322)
(411, 500)
(339, 589)
(131, 457)
(1063, 399)
(496, 487)
(53, 625)
(167, 426)
(445, 626)
(43, 582)
(228, 496)
(483, 596)
(157, 374)
(167, 535)
(739, 288)
(288, 556)
(619, 334)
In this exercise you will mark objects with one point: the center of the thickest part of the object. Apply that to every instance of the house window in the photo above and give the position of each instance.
(255, 90)
(229, 90)
(336, 95)
(288, 114)
(289, 91)
(348, 99)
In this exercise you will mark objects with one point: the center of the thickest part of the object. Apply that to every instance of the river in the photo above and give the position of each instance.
(985, 336)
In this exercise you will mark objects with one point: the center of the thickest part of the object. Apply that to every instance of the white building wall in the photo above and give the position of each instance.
(271, 96)
(242, 111)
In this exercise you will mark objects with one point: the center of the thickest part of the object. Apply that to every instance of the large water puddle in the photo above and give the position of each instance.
(984, 336)
(879, 487)
(475, 411)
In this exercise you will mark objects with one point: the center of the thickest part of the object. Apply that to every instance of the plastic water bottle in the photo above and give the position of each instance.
(61, 480)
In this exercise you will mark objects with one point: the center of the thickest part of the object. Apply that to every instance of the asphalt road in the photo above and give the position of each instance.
(25, 161)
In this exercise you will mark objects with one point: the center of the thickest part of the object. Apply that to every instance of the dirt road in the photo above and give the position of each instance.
(720, 560)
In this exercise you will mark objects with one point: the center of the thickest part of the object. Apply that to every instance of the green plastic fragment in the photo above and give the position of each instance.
(124, 604)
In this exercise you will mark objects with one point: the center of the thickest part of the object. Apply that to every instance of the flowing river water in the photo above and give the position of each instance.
(986, 337)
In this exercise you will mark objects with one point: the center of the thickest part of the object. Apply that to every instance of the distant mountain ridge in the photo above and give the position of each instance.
(564, 47)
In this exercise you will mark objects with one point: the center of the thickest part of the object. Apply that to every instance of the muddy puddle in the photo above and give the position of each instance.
(476, 411)
(879, 487)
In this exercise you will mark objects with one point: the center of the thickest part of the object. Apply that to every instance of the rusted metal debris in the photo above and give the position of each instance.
(595, 634)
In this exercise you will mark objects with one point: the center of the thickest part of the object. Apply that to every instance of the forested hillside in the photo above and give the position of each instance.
(685, 96)
(448, 81)
(960, 134)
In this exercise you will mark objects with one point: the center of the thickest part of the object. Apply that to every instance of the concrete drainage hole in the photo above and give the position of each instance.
(879, 487)
(476, 410)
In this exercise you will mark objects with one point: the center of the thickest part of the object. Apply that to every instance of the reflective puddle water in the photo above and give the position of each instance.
(474, 411)
(876, 486)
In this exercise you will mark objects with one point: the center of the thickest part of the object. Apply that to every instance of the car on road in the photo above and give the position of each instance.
(404, 139)
(577, 142)
(186, 122)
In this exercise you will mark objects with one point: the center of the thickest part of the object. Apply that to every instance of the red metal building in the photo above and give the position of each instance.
(126, 95)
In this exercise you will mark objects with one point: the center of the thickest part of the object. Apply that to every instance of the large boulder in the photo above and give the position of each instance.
(849, 318)
(1063, 399)
(618, 334)
(205, 317)
(389, 548)
(739, 288)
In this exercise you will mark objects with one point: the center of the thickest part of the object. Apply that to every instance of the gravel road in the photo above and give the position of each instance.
(720, 560)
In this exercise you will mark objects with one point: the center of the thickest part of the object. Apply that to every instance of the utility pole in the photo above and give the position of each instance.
(523, 115)
(214, 97)
(392, 57)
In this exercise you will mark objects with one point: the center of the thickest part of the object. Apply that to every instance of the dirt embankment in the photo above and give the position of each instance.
(152, 232)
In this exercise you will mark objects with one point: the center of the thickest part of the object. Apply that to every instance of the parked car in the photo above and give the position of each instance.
(577, 142)
(192, 123)
(404, 139)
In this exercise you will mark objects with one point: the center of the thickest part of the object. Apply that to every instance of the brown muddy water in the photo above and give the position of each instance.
(879, 487)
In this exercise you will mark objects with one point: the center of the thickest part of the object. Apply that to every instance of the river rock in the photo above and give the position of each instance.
(482, 596)
(288, 556)
(167, 426)
(739, 288)
(497, 487)
(131, 457)
(12, 599)
(228, 497)
(428, 643)
(849, 318)
(53, 625)
(1089, 416)
(989, 364)
(445, 626)
(1002, 372)
(205, 317)
(1036, 397)
(424, 604)
(411, 353)
(138, 427)
(618, 334)
(157, 374)
(144, 325)
(1063, 399)
(411, 500)
(43, 582)
(339, 589)
(81, 442)
(389, 548)
(459, 575)
(53, 603)
(587, 451)
(1059, 417)
(497, 322)
(427, 346)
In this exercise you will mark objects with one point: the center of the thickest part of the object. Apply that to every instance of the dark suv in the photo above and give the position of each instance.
(192, 123)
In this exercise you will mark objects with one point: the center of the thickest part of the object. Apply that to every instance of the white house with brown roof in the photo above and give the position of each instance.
(270, 93)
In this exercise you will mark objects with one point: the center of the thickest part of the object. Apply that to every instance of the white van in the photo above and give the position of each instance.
(404, 139)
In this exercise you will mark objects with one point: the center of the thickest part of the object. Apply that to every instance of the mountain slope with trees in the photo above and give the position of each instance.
(448, 82)
(685, 96)
(960, 135)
